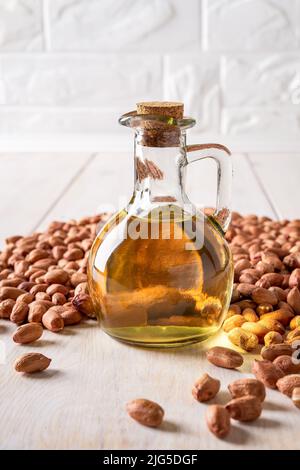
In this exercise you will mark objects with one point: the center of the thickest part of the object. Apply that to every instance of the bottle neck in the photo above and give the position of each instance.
(159, 173)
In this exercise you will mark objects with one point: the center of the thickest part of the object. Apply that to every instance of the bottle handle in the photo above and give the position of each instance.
(221, 155)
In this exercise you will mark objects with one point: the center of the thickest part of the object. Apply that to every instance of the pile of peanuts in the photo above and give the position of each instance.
(265, 304)
(43, 279)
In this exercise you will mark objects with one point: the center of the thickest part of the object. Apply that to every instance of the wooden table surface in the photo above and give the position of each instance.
(78, 403)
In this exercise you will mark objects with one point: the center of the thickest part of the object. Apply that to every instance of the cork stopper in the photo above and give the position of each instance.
(157, 133)
(163, 108)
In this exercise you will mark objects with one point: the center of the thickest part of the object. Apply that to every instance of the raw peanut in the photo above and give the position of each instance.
(293, 334)
(274, 350)
(57, 288)
(73, 254)
(19, 312)
(70, 315)
(258, 329)
(248, 278)
(145, 412)
(36, 255)
(274, 279)
(53, 320)
(44, 263)
(37, 275)
(285, 306)
(271, 258)
(56, 276)
(273, 337)
(42, 296)
(295, 322)
(224, 357)
(292, 260)
(11, 282)
(262, 309)
(243, 339)
(287, 364)
(264, 268)
(279, 292)
(295, 278)
(246, 408)
(26, 298)
(38, 288)
(246, 304)
(58, 252)
(245, 387)
(233, 310)
(32, 362)
(296, 396)
(272, 325)
(245, 289)
(83, 303)
(10, 293)
(267, 373)
(78, 278)
(293, 299)
(250, 315)
(218, 420)
(28, 333)
(264, 296)
(36, 311)
(205, 388)
(81, 288)
(282, 315)
(287, 384)
(58, 299)
(233, 322)
(20, 267)
(241, 265)
(6, 307)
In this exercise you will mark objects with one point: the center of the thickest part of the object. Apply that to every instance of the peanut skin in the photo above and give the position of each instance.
(218, 420)
(206, 388)
(145, 412)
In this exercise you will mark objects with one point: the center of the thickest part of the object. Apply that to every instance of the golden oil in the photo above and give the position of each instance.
(149, 289)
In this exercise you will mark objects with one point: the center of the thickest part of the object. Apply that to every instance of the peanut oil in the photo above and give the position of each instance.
(162, 279)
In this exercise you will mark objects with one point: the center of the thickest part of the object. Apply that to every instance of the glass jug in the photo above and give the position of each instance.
(160, 271)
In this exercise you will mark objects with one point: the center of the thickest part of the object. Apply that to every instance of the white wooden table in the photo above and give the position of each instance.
(78, 403)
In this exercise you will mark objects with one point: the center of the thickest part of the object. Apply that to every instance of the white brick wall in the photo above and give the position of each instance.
(75, 65)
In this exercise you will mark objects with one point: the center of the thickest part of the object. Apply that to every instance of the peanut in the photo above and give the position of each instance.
(70, 315)
(83, 303)
(243, 339)
(282, 315)
(56, 276)
(32, 362)
(273, 337)
(250, 315)
(296, 396)
(52, 320)
(274, 350)
(295, 322)
(224, 357)
(10, 293)
(245, 408)
(293, 299)
(258, 329)
(287, 384)
(233, 322)
(295, 278)
(272, 325)
(6, 307)
(205, 388)
(287, 364)
(267, 373)
(218, 420)
(262, 296)
(145, 412)
(19, 312)
(28, 333)
(36, 311)
(245, 387)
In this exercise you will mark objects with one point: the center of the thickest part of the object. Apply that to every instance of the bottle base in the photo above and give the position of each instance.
(161, 337)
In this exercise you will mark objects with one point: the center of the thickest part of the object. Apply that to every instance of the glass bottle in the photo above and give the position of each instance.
(160, 271)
